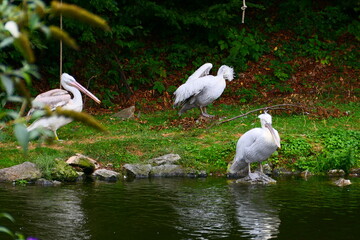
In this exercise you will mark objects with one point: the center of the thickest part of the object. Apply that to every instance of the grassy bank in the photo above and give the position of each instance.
(308, 142)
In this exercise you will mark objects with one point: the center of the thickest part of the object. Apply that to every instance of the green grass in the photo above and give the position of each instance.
(202, 148)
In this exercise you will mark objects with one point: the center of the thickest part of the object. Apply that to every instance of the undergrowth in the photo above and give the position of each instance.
(317, 145)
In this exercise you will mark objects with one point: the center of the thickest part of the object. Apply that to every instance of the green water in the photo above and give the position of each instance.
(211, 208)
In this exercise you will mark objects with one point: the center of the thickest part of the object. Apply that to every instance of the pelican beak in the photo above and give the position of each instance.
(87, 92)
(275, 137)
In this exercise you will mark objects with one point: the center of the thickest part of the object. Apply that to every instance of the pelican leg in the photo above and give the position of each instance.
(204, 113)
(252, 176)
(56, 136)
(261, 168)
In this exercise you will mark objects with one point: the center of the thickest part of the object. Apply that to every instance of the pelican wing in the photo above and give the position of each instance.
(202, 71)
(190, 89)
(53, 99)
(243, 147)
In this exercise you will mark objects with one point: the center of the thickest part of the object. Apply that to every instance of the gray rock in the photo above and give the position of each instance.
(256, 178)
(25, 171)
(282, 172)
(76, 159)
(137, 170)
(45, 182)
(126, 113)
(165, 159)
(336, 173)
(106, 175)
(342, 182)
(267, 169)
(354, 172)
(192, 173)
(86, 164)
(167, 170)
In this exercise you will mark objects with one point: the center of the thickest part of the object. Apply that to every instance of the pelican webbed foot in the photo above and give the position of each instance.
(204, 113)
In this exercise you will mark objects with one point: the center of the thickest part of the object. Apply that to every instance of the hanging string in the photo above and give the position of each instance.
(61, 27)
(243, 8)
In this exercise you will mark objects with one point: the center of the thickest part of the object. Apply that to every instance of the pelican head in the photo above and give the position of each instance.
(69, 82)
(227, 72)
(266, 122)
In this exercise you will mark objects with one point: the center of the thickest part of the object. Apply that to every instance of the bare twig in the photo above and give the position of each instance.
(274, 107)
(88, 85)
(123, 78)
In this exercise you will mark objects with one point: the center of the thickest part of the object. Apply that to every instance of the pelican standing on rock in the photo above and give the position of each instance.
(202, 89)
(59, 98)
(256, 145)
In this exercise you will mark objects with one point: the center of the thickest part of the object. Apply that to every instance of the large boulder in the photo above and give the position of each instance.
(137, 170)
(25, 171)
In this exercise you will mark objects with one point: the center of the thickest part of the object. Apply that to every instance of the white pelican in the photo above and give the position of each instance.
(256, 145)
(59, 98)
(202, 89)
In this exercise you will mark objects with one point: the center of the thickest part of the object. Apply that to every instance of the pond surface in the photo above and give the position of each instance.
(211, 208)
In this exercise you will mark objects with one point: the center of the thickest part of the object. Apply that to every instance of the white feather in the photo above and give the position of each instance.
(203, 90)
(202, 71)
(256, 145)
(60, 98)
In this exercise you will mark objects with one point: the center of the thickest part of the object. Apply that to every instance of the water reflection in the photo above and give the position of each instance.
(258, 218)
(185, 209)
(44, 212)
(203, 211)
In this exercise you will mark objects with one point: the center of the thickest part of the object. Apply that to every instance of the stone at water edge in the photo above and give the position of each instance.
(258, 178)
(86, 164)
(336, 173)
(25, 171)
(137, 170)
(106, 175)
(342, 182)
(167, 170)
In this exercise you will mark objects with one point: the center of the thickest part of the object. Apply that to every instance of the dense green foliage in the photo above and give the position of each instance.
(156, 44)
(20, 27)
(153, 40)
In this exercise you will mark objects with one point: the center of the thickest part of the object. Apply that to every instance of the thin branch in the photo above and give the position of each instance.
(123, 78)
(274, 107)
(88, 85)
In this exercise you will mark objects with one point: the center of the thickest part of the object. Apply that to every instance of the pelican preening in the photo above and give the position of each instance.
(202, 89)
(59, 98)
(256, 145)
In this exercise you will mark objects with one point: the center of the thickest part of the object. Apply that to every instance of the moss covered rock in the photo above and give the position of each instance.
(63, 172)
